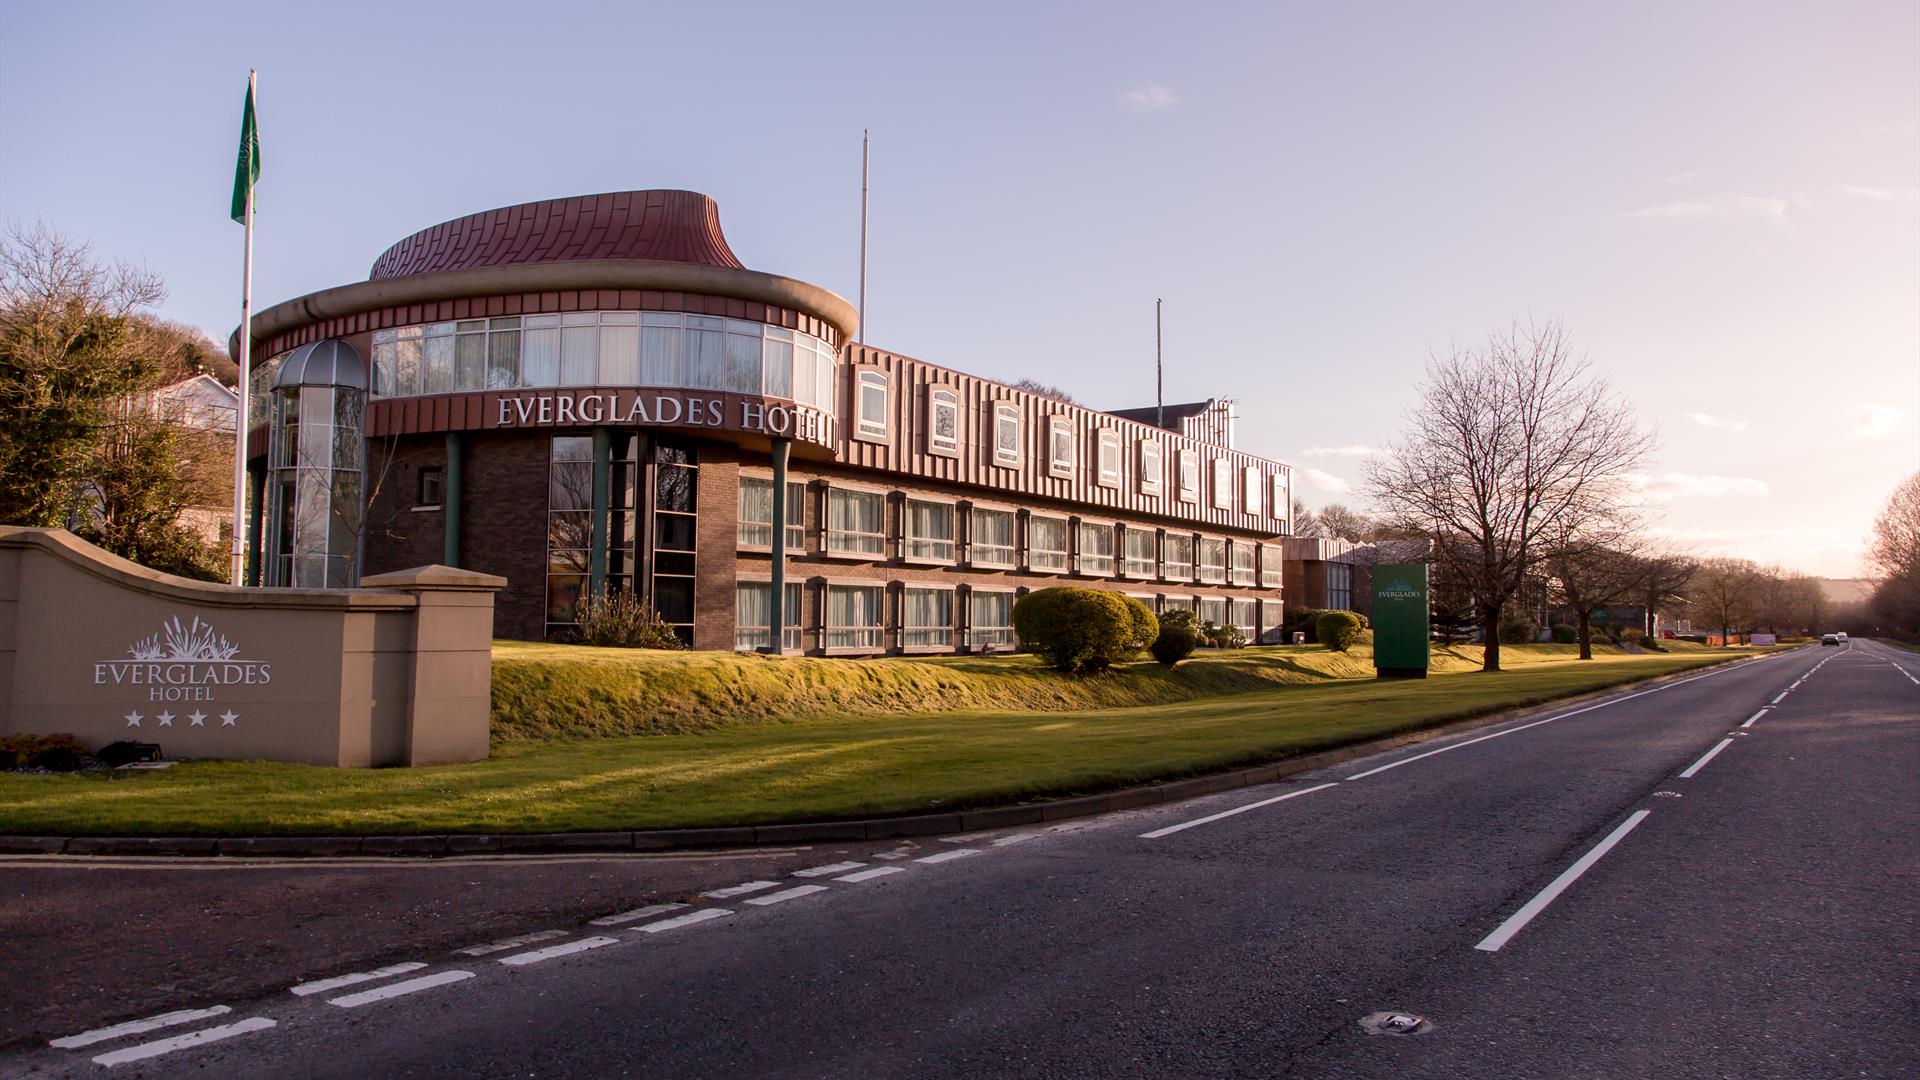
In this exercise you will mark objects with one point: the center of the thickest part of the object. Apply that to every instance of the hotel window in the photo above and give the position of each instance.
(990, 538)
(856, 522)
(1213, 610)
(943, 422)
(1177, 552)
(503, 353)
(1060, 447)
(750, 603)
(1046, 543)
(1150, 474)
(1242, 556)
(852, 617)
(927, 531)
(756, 513)
(1245, 616)
(1250, 490)
(470, 355)
(705, 353)
(1096, 550)
(431, 489)
(872, 405)
(675, 487)
(1006, 435)
(579, 341)
(436, 359)
(1213, 561)
(1176, 603)
(990, 619)
(662, 339)
(1273, 614)
(778, 373)
(1222, 484)
(1270, 567)
(926, 618)
(1110, 459)
(569, 526)
(1277, 499)
(1339, 587)
(1189, 479)
(540, 351)
(1140, 554)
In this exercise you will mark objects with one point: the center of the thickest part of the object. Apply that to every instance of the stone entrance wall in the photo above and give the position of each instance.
(396, 672)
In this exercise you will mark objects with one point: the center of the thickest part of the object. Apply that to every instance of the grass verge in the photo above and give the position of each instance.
(817, 767)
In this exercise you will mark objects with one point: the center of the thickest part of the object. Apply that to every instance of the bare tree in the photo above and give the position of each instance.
(1035, 386)
(1509, 445)
(1337, 522)
(1588, 577)
(1893, 554)
(1664, 578)
(1723, 593)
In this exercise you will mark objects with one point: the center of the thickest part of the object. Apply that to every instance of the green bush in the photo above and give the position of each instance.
(1177, 638)
(60, 753)
(1518, 628)
(1338, 630)
(1083, 630)
(1564, 634)
(620, 620)
(1303, 621)
(1221, 637)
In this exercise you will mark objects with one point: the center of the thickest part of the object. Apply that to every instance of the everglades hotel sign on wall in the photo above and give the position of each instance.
(186, 664)
(595, 407)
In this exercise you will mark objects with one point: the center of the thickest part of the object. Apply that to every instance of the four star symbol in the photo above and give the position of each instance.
(195, 718)
(133, 719)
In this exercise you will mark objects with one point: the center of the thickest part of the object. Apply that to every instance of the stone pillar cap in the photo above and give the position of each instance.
(436, 577)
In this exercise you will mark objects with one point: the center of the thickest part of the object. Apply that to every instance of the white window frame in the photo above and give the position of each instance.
(1278, 499)
(928, 549)
(866, 426)
(907, 638)
(1058, 464)
(1065, 553)
(1170, 570)
(974, 544)
(1187, 482)
(1152, 467)
(1107, 460)
(1002, 635)
(1200, 567)
(939, 398)
(1133, 568)
(874, 632)
(830, 537)
(753, 638)
(1272, 567)
(796, 516)
(1236, 573)
(1093, 565)
(1222, 484)
(1006, 412)
(1250, 490)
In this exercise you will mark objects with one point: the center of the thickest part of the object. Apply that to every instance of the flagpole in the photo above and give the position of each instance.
(238, 570)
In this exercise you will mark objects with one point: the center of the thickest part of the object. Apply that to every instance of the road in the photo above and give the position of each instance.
(1715, 876)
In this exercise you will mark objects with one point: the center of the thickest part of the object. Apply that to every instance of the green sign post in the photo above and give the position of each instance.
(1400, 621)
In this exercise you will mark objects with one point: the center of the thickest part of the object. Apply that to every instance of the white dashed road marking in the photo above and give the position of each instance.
(1781, 698)
(948, 856)
(338, 981)
(1704, 758)
(678, 921)
(1016, 838)
(831, 868)
(869, 875)
(182, 1042)
(1756, 716)
(137, 1027)
(637, 914)
(740, 890)
(400, 989)
(1519, 920)
(552, 951)
(1171, 829)
(784, 895)
(512, 943)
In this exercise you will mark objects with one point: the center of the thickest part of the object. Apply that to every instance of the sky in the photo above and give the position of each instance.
(1720, 202)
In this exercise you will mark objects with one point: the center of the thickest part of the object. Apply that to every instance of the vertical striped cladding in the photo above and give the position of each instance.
(905, 451)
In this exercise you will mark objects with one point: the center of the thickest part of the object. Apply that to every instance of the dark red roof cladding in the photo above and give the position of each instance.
(675, 226)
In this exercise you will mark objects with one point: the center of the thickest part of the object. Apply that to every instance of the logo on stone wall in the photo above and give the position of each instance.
(183, 662)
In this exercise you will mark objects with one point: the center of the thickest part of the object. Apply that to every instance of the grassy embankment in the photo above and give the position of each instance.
(589, 739)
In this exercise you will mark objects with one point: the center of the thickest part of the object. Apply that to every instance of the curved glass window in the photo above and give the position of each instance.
(604, 348)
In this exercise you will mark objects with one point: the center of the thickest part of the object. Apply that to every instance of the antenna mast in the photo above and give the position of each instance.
(1159, 369)
(864, 145)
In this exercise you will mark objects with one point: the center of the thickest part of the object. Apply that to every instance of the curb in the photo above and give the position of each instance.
(882, 828)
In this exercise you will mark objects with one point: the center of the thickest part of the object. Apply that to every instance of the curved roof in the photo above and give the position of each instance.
(322, 363)
(665, 225)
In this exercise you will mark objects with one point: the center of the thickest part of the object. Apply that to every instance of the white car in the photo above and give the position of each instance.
(1842, 637)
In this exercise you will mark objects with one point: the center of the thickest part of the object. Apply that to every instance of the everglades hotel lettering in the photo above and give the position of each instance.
(182, 663)
(730, 412)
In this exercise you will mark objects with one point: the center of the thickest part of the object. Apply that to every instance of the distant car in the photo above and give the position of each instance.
(1829, 639)
(1842, 635)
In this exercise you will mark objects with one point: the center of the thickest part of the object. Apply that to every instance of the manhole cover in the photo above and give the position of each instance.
(1395, 1023)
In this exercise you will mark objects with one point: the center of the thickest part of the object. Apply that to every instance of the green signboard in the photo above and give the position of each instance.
(1400, 621)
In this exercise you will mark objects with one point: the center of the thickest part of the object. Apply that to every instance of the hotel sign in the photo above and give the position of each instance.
(184, 664)
(1400, 620)
(631, 408)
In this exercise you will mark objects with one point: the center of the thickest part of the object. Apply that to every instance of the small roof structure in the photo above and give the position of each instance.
(322, 363)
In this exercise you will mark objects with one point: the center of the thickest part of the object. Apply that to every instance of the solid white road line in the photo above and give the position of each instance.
(1171, 829)
(784, 895)
(1781, 698)
(183, 1042)
(949, 856)
(831, 868)
(1704, 758)
(512, 943)
(1016, 838)
(636, 914)
(137, 1027)
(568, 948)
(338, 981)
(740, 890)
(1551, 719)
(400, 989)
(1756, 716)
(869, 875)
(1519, 920)
(678, 921)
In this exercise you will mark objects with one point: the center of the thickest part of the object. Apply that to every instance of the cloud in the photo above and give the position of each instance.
(1322, 480)
(1767, 207)
(1342, 451)
(1833, 551)
(1874, 423)
(1667, 487)
(1881, 194)
(1688, 176)
(1709, 420)
(1149, 97)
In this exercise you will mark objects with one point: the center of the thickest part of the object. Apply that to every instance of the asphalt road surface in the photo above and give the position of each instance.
(1715, 876)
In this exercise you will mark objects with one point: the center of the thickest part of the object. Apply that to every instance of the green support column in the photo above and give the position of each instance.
(597, 546)
(450, 499)
(776, 604)
(256, 519)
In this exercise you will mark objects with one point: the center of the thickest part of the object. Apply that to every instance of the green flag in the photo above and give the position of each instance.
(246, 171)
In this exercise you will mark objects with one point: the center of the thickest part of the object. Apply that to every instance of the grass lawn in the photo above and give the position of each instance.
(851, 745)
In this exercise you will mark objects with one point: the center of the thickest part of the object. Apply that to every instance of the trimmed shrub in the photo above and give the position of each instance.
(1177, 640)
(1518, 628)
(1083, 630)
(1338, 630)
(1633, 634)
(1221, 637)
(1304, 621)
(621, 621)
(1564, 634)
(59, 753)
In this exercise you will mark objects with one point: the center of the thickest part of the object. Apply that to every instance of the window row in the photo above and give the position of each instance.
(1254, 492)
(604, 348)
(853, 523)
(855, 617)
